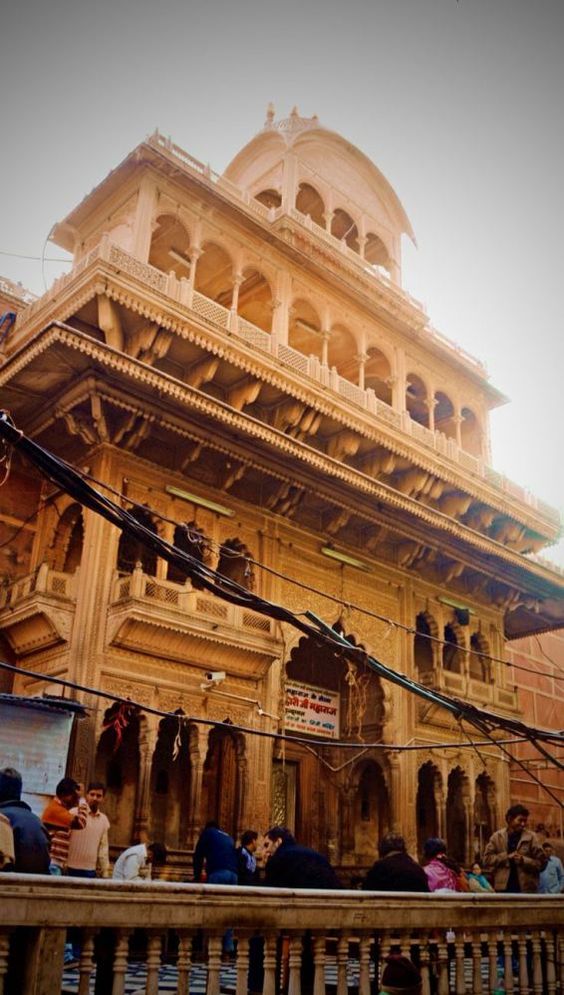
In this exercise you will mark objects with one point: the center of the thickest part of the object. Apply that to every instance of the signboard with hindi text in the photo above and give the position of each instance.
(310, 710)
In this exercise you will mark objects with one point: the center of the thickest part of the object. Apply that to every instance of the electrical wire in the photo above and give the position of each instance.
(196, 538)
(62, 474)
(38, 259)
(250, 730)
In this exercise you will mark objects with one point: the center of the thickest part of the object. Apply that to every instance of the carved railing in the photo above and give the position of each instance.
(42, 580)
(460, 943)
(183, 598)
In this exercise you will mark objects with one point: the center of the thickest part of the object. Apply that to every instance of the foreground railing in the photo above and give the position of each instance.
(295, 942)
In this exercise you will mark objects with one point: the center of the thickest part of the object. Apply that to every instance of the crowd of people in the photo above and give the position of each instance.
(71, 838)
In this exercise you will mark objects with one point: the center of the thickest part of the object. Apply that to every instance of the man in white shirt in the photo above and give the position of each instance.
(551, 881)
(136, 863)
(88, 855)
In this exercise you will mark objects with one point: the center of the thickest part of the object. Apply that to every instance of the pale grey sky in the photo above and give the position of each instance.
(458, 102)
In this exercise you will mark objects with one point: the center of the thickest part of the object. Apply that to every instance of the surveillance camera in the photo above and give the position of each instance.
(215, 676)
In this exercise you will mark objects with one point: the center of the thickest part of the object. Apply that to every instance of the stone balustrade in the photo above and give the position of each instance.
(461, 943)
(43, 580)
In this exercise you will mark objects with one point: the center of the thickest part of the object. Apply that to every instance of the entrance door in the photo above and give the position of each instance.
(283, 794)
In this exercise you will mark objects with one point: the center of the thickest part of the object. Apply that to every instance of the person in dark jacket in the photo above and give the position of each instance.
(396, 870)
(248, 871)
(217, 849)
(31, 842)
(290, 865)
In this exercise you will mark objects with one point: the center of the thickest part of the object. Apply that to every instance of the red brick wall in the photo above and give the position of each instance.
(541, 697)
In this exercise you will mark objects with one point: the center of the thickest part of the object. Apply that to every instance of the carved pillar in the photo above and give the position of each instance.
(432, 404)
(458, 419)
(148, 733)
(347, 795)
(233, 320)
(142, 230)
(361, 245)
(198, 747)
(394, 782)
(399, 384)
(325, 336)
(361, 358)
(329, 215)
(468, 800)
(242, 783)
(281, 315)
(195, 254)
(440, 810)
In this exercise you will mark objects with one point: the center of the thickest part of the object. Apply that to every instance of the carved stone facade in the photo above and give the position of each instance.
(235, 358)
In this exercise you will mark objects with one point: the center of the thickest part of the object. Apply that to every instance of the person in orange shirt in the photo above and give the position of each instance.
(59, 820)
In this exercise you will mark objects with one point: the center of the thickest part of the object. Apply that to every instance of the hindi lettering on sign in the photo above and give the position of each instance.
(312, 711)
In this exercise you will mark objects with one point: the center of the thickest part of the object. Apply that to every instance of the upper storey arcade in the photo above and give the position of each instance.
(298, 165)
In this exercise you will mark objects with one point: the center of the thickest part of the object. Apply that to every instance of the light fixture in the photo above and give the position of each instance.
(350, 561)
(456, 604)
(219, 509)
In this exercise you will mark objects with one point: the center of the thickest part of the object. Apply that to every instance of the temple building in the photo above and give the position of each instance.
(234, 356)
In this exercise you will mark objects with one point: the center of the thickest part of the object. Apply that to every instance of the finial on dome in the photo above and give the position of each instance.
(269, 115)
(294, 113)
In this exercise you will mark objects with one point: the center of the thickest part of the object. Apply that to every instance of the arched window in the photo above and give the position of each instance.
(375, 251)
(344, 228)
(444, 415)
(270, 198)
(65, 551)
(170, 246)
(343, 352)
(470, 433)
(422, 645)
(452, 653)
(132, 551)
(214, 274)
(309, 202)
(416, 400)
(255, 299)
(304, 333)
(377, 375)
(235, 563)
(189, 539)
(480, 666)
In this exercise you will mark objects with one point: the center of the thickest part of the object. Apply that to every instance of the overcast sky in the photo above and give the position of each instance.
(458, 102)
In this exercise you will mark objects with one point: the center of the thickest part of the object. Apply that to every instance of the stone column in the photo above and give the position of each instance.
(283, 295)
(142, 224)
(394, 780)
(431, 405)
(195, 254)
(242, 783)
(234, 317)
(440, 809)
(329, 215)
(361, 358)
(198, 747)
(398, 381)
(457, 419)
(148, 734)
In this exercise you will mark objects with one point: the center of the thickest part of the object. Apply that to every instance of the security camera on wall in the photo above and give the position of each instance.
(215, 676)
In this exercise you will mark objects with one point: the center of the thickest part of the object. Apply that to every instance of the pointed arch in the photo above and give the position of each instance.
(131, 551)
(304, 332)
(270, 198)
(480, 667)
(456, 815)
(65, 552)
(416, 401)
(423, 646)
(235, 563)
(453, 649)
(214, 273)
(471, 432)
(189, 538)
(255, 299)
(222, 785)
(170, 783)
(117, 766)
(444, 415)
(427, 803)
(310, 202)
(170, 246)
(378, 374)
(344, 228)
(375, 251)
(371, 809)
(343, 352)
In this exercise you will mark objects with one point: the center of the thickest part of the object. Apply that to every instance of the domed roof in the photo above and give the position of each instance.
(327, 154)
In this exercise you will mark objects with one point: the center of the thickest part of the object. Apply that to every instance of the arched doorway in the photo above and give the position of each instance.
(170, 784)
(222, 785)
(310, 202)
(484, 812)
(371, 811)
(423, 653)
(117, 766)
(453, 653)
(189, 539)
(429, 789)
(456, 821)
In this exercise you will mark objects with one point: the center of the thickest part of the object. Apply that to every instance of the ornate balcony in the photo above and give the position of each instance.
(37, 611)
(461, 943)
(151, 615)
